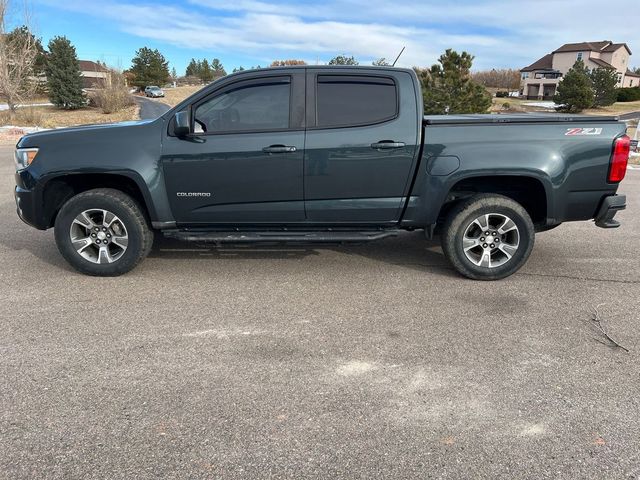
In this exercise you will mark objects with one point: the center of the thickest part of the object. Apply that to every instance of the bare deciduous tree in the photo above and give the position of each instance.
(507, 79)
(18, 52)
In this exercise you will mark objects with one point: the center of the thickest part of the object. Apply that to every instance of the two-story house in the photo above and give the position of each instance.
(541, 78)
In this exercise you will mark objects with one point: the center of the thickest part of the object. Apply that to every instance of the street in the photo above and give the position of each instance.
(371, 361)
(150, 109)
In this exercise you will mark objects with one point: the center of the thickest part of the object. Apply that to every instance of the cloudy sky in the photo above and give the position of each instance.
(500, 33)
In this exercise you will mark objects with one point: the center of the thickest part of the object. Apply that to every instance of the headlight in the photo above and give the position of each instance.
(24, 157)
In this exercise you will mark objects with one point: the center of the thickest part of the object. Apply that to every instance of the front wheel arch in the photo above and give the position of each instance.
(58, 190)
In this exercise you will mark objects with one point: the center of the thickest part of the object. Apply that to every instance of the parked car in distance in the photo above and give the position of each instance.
(153, 92)
(320, 154)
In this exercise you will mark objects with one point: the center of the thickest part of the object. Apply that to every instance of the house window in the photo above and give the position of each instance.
(579, 57)
(525, 75)
(619, 78)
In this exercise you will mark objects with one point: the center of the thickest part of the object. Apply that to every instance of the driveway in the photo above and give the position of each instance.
(372, 361)
(150, 109)
(630, 116)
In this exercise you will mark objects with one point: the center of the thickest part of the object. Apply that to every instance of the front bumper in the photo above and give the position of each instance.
(610, 206)
(28, 205)
(25, 206)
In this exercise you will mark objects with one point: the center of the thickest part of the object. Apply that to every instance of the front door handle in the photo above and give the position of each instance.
(387, 144)
(279, 149)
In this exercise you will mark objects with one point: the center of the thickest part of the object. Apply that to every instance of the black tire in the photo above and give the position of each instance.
(462, 217)
(129, 213)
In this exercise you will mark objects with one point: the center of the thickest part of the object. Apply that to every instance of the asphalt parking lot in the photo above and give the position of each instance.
(373, 361)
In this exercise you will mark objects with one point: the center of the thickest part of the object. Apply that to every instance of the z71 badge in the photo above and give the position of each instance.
(583, 131)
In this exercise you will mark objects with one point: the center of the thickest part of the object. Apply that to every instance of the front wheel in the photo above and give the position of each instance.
(102, 232)
(488, 237)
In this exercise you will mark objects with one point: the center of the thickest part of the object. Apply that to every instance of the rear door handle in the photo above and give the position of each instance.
(387, 144)
(279, 149)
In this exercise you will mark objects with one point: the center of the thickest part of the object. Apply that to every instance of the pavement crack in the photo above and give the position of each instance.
(573, 277)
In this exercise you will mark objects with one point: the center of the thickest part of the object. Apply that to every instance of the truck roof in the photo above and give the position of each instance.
(318, 67)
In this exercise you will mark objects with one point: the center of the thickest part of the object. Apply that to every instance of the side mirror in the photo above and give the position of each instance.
(181, 124)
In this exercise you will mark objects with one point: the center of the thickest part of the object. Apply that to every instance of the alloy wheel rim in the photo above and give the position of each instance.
(491, 240)
(99, 236)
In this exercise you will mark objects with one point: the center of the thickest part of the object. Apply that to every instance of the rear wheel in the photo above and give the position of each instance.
(102, 232)
(488, 237)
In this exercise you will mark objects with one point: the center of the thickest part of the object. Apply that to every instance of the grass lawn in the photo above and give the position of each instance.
(515, 105)
(519, 105)
(616, 108)
(52, 117)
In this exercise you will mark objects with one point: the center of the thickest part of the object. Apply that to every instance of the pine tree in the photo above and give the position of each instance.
(192, 68)
(63, 75)
(604, 81)
(575, 92)
(174, 73)
(218, 69)
(448, 88)
(149, 67)
(206, 75)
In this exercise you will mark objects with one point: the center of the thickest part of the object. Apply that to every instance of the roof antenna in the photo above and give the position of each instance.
(394, 62)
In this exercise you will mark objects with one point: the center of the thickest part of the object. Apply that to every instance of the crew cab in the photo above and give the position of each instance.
(320, 154)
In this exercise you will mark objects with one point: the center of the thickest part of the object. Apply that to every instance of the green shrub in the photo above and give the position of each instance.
(628, 94)
(501, 94)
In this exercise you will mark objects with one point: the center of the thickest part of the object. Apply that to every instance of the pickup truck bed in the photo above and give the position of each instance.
(471, 119)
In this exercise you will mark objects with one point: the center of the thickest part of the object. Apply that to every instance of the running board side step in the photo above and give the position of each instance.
(285, 236)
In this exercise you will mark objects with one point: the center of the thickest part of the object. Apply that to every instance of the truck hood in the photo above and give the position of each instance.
(34, 139)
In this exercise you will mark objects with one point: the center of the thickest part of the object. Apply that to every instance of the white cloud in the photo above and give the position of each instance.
(500, 33)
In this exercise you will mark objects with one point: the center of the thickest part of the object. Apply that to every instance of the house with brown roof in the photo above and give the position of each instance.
(94, 75)
(541, 78)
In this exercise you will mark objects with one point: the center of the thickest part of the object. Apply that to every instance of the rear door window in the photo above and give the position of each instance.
(351, 100)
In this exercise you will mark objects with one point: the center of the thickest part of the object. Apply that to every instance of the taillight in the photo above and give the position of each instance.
(619, 159)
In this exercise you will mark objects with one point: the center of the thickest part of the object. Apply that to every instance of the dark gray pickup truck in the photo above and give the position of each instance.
(319, 154)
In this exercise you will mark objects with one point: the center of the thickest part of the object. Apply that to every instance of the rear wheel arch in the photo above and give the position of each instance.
(530, 191)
